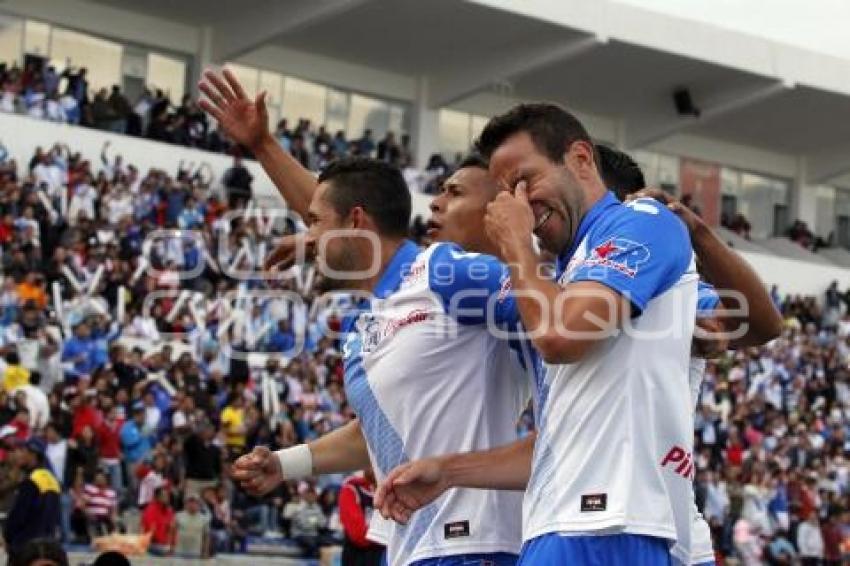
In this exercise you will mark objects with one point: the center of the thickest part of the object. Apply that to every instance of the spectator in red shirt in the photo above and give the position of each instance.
(734, 449)
(21, 424)
(158, 519)
(6, 229)
(809, 500)
(85, 413)
(355, 509)
(109, 442)
(832, 538)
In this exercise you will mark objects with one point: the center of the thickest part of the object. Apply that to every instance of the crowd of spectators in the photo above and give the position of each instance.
(772, 445)
(800, 233)
(737, 223)
(143, 402)
(39, 91)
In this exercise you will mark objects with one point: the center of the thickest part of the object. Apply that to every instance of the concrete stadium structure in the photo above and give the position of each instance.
(771, 139)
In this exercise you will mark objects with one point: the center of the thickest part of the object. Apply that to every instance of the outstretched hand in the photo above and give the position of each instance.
(243, 119)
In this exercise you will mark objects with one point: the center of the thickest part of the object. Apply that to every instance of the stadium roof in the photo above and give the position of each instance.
(598, 56)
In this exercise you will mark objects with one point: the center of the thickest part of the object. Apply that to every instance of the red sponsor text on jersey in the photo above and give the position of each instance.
(680, 461)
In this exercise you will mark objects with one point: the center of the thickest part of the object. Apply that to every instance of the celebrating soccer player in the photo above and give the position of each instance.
(415, 484)
(423, 372)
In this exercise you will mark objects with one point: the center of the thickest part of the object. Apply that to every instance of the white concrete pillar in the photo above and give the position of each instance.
(803, 201)
(425, 134)
(203, 57)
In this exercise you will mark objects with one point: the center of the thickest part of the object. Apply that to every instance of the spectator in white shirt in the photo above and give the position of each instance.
(49, 172)
(120, 206)
(810, 541)
(153, 480)
(35, 401)
(82, 202)
(7, 100)
(113, 170)
(54, 111)
(143, 326)
(57, 452)
(152, 413)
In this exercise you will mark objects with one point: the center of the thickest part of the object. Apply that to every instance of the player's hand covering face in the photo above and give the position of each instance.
(244, 120)
(510, 220)
(258, 472)
(410, 487)
(554, 194)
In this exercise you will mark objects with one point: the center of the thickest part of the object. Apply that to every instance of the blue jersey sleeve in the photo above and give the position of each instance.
(640, 251)
(707, 299)
(474, 288)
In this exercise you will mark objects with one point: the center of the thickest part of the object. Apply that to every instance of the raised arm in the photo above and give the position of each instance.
(342, 450)
(727, 270)
(247, 122)
(411, 486)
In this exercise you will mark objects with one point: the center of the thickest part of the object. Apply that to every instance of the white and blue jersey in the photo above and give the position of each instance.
(426, 377)
(613, 451)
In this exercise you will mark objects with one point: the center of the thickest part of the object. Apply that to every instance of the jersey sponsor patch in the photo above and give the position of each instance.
(374, 330)
(620, 254)
(456, 530)
(680, 461)
(594, 502)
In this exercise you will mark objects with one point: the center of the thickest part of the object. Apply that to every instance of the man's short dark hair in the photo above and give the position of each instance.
(620, 172)
(474, 160)
(373, 185)
(111, 558)
(552, 129)
(40, 549)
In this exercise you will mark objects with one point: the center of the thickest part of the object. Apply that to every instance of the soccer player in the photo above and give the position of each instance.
(409, 372)
(754, 325)
(416, 483)
(613, 330)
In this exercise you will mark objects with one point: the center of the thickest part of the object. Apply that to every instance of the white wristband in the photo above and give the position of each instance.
(296, 462)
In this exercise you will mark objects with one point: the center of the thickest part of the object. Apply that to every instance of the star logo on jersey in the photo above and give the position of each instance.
(605, 249)
(622, 255)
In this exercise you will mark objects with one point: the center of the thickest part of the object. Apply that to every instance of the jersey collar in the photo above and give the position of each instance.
(396, 269)
(587, 221)
(389, 282)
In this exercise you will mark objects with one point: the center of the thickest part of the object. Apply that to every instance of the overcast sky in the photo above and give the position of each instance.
(819, 25)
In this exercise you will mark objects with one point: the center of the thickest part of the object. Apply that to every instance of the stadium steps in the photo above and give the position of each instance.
(839, 256)
(278, 546)
(740, 243)
(784, 247)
